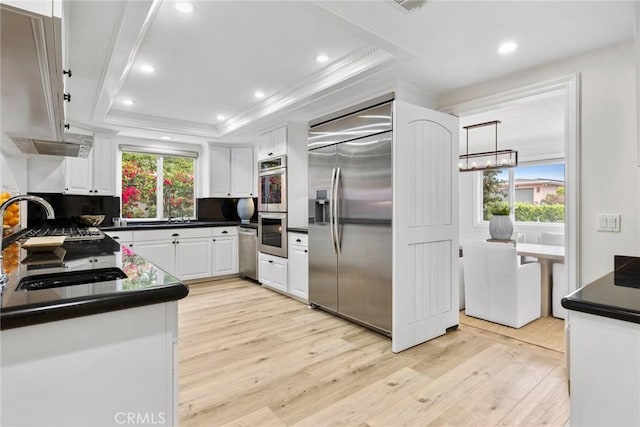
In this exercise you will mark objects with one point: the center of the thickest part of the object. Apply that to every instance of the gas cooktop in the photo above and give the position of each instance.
(71, 233)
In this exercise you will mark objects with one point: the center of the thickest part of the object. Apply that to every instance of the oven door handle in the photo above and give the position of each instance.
(336, 197)
(331, 204)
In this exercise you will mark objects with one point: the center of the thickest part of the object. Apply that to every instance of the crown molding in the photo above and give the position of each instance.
(339, 71)
(159, 124)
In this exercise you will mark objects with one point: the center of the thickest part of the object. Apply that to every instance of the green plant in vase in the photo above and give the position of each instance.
(500, 225)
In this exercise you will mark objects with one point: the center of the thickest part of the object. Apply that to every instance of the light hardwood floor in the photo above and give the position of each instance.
(252, 357)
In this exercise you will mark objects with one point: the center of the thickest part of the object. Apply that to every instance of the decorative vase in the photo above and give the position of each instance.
(501, 227)
(245, 208)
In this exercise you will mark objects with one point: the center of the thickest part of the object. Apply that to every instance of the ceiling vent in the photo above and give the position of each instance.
(410, 5)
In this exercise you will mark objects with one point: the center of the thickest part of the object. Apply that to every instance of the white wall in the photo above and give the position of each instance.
(609, 177)
(13, 167)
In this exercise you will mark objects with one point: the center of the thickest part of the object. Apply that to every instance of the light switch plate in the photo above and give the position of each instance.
(608, 222)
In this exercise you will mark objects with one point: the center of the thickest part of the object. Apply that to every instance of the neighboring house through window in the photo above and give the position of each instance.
(534, 191)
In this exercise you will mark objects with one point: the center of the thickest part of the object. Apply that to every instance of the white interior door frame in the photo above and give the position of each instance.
(570, 86)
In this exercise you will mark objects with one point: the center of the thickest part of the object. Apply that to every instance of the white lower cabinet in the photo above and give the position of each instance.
(158, 252)
(604, 370)
(225, 255)
(273, 271)
(92, 370)
(187, 253)
(298, 284)
(193, 258)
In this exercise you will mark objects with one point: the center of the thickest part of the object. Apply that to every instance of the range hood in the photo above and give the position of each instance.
(32, 81)
(72, 145)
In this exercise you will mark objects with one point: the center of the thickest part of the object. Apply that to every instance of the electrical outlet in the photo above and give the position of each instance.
(608, 222)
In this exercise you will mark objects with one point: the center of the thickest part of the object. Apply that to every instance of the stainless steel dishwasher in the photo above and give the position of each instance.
(248, 252)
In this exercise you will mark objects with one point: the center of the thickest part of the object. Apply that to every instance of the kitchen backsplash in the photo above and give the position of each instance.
(68, 207)
(221, 209)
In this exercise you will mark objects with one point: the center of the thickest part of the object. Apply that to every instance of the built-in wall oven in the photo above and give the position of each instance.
(272, 233)
(272, 184)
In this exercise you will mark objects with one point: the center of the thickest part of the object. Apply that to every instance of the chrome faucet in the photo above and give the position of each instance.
(29, 198)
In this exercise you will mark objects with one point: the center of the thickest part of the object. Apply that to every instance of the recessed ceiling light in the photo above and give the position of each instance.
(221, 117)
(147, 68)
(165, 137)
(128, 101)
(184, 7)
(258, 94)
(322, 58)
(507, 48)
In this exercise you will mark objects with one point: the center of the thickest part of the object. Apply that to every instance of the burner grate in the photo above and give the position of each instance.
(71, 233)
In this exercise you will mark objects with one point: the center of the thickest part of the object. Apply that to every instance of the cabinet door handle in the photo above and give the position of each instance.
(305, 251)
(228, 194)
(115, 237)
(270, 262)
(298, 240)
(130, 245)
(214, 240)
(95, 191)
(269, 154)
(225, 232)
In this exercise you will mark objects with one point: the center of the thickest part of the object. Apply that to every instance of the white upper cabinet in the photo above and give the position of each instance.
(243, 180)
(637, 45)
(104, 166)
(272, 143)
(231, 172)
(95, 175)
(219, 171)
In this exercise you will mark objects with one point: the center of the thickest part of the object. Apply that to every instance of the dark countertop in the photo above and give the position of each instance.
(298, 230)
(615, 295)
(146, 284)
(164, 224)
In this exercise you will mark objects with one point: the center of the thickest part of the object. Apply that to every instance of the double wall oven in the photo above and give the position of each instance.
(272, 206)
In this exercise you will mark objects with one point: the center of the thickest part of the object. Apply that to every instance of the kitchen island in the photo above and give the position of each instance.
(100, 352)
(604, 348)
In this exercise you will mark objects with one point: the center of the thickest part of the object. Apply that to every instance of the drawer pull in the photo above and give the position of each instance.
(175, 235)
(270, 262)
(298, 240)
(305, 251)
(225, 232)
(115, 237)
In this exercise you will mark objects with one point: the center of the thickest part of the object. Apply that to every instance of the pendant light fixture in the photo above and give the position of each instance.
(497, 159)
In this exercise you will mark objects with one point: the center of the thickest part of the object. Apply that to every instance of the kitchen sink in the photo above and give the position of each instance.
(70, 278)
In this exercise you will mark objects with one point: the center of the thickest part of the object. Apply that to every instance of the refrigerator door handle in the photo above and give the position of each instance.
(331, 204)
(336, 196)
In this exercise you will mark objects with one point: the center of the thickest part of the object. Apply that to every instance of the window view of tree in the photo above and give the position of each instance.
(139, 185)
(538, 191)
(178, 187)
(493, 190)
(154, 184)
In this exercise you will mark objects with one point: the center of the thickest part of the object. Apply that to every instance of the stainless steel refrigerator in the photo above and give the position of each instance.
(350, 210)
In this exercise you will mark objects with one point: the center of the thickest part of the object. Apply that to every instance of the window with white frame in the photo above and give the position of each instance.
(157, 185)
(534, 191)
